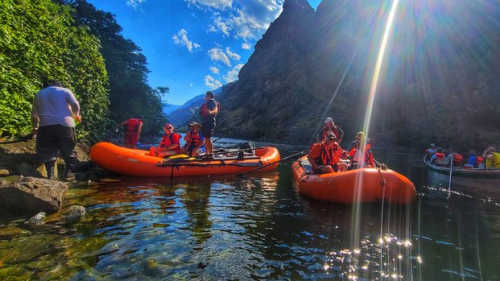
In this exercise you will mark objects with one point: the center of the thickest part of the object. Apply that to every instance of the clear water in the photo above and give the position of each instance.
(258, 228)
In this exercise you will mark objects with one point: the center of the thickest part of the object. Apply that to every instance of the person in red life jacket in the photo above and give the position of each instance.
(169, 144)
(208, 113)
(193, 139)
(457, 158)
(330, 126)
(357, 160)
(133, 127)
(439, 158)
(325, 155)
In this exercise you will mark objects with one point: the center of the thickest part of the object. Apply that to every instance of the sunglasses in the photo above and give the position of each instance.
(169, 128)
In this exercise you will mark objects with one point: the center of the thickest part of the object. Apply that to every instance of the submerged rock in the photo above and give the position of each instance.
(75, 213)
(38, 219)
(28, 195)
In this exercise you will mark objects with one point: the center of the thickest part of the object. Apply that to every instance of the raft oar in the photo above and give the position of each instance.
(300, 153)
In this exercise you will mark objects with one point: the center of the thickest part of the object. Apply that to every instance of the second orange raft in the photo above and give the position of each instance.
(359, 185)
(135, 162)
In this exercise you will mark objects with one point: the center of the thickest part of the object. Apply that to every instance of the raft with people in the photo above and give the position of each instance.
(485, 165)
(329, 173)
(142, 163)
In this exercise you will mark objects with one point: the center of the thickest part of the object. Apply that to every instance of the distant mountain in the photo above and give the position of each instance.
(169, 108)
(189, 110)
(439, 81)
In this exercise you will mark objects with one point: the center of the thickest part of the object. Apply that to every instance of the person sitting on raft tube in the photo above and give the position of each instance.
(330, 126)
(492, 158)
(355, 153)
(324, 156)
(169, 144)
(193, 139)
(133, 127)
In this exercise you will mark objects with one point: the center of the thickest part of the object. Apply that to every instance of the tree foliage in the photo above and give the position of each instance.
(130, 95)
(39, 41)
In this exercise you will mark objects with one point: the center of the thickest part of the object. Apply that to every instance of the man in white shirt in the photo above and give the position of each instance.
(54, 112)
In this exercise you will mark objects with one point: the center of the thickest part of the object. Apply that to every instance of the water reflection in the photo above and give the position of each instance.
(254, 228)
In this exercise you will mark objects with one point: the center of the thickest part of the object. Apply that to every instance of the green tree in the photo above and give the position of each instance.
(38, 40)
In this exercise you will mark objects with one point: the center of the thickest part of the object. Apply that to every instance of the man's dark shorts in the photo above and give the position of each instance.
(53, 139)
(208, 128)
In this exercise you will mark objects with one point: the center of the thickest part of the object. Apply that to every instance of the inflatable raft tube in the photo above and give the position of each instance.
(136, 162)
(359, 185)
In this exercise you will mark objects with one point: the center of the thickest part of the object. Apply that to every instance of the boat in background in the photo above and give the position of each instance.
(352, 186)
(461, 171)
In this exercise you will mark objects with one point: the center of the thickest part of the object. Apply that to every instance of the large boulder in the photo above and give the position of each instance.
(28, 195)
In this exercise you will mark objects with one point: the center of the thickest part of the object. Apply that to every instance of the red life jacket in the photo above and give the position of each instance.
(132, 125)
(169, 140)
(368, 155)
(330, 153)
(194, 139)
(479, 160)
(457, 158)
(204, 112)
(439, 155)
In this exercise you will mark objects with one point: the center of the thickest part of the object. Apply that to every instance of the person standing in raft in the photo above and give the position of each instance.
(208, 112)
(169, 144)
(193, 139)
(325, 155)
(54, 112)
(133, 127)
(330, 126)
(357, 160)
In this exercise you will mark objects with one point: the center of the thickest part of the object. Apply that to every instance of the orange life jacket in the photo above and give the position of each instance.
(330, 153)
(193, 139)
(168, 140)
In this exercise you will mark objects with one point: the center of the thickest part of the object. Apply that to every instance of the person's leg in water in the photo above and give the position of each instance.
(46, 148)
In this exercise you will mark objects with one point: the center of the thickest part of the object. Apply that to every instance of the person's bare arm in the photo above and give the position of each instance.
(34, 115)
(139, 130)
(74, 104)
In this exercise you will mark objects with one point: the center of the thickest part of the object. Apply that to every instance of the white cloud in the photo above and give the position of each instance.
(243, 19)
(214, 70)
(212, 83)
(246, 46)
(232, 75)
(216, 4)
(220, 25)
(232, 55)
(134, 3)
(217, 54)
(181, 38)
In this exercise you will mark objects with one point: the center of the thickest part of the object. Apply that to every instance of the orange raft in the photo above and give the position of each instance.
(135, 162)
(359, 185)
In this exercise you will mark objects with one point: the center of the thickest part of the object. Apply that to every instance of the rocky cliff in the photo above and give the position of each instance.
(438, 83)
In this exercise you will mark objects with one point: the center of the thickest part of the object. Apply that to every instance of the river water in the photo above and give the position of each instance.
(259, 228)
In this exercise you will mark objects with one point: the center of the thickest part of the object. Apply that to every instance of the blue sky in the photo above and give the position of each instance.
(193, 45)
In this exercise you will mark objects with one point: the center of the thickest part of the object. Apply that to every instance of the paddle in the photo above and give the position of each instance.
(300, 153)
(451, 172)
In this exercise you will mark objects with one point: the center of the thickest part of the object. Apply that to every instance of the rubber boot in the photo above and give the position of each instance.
(49, 166)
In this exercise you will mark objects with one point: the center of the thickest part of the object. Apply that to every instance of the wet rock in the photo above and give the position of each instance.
(4, 172)
(38, 219)
(75, 213)
(29, 195)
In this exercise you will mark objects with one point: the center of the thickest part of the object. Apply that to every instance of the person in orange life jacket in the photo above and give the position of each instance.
(354, 154)
(325, 155)
(329, 126)
(193, 139)
(208, 112)
(169, 144)
(133, 127)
